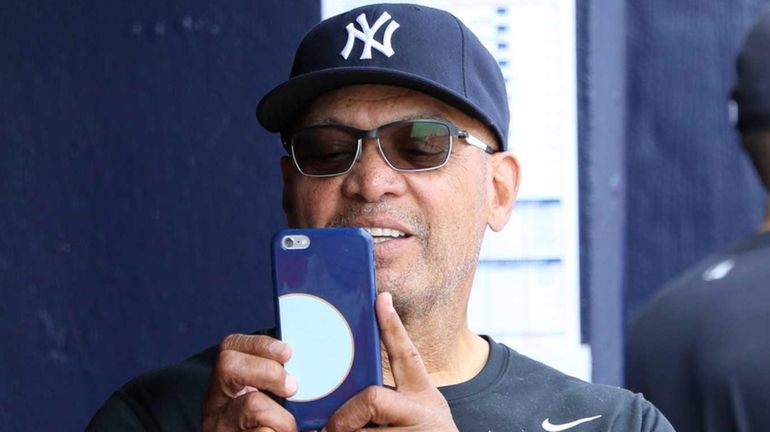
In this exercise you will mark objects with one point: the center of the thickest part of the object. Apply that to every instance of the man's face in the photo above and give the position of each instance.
(757, 144)
(427, 225)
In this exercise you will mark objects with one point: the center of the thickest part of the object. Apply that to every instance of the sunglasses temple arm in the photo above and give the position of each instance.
(472, 140)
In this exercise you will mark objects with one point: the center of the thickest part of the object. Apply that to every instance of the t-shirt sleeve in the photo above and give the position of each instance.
(623, 411)
(166, 399)
(653, 420)
(116, 414)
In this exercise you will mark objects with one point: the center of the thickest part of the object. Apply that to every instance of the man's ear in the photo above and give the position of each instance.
(505, 178)
(287, 168)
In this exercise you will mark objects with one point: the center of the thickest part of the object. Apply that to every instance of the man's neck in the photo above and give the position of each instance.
(463, 360)
(450, 351)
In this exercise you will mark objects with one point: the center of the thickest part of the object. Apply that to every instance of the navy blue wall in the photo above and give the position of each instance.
(137, 192)
(602, 115)
(690, 188)
(663, 178)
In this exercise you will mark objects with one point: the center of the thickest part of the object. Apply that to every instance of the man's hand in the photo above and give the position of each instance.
(246, 366)
(415, 404)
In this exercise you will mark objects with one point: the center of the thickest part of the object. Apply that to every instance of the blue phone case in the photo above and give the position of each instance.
(325, 291)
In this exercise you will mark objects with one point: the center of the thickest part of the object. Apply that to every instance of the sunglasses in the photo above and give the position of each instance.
(407, 145)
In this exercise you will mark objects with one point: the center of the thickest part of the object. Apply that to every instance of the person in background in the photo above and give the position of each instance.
(395, 119)
(701, 349)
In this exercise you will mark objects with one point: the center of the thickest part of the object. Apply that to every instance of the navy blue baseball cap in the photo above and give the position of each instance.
(752, 90)
(417, 47)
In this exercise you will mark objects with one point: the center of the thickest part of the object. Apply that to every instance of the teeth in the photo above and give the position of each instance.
(383, 234)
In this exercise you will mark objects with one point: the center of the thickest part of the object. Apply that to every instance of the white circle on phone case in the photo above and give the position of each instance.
(321, 342)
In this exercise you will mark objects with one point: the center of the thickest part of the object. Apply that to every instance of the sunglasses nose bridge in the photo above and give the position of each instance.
(373, 135)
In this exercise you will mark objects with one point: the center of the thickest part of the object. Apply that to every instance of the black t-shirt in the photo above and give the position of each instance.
(511, 393)
(701, 349)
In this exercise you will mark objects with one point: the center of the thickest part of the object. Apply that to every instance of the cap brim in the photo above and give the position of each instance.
(281, 107)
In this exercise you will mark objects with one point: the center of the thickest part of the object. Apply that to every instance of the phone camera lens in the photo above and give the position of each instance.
(288, 242)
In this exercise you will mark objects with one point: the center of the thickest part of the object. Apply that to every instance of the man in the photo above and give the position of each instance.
(363, 84)
(701, 350)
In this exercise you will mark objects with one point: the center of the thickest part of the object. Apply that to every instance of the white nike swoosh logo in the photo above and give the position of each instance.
(550, 427)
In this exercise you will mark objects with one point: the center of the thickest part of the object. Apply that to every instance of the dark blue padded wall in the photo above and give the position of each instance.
(137, 192)
(663, 178)
(690, 188)
(601, 121)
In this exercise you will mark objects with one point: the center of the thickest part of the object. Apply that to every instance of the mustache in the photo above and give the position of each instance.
(344, 219)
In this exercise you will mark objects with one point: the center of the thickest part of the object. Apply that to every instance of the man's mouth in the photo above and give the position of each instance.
(384, 234)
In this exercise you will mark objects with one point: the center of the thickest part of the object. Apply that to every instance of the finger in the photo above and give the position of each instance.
(235, 370)
(375, 404)
(258, 345)
(257, 411)
(409, 372)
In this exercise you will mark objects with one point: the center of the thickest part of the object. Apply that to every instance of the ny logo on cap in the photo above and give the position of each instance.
(366, 34)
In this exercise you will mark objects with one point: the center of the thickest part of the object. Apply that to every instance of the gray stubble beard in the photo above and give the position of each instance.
(440, 293)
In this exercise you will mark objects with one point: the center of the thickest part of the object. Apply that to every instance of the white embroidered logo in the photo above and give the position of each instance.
(550, 427)
(718, 271)
(367, 34)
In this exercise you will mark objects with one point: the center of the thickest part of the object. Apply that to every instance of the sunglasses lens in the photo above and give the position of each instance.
(324, 150)
(416, 145)
(407, 145)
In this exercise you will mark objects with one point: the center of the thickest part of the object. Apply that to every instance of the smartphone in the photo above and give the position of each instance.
(325, 288)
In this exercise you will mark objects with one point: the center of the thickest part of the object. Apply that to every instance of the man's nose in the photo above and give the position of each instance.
(372, 178)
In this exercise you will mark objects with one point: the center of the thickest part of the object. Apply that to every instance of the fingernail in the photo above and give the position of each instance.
(389, 296)
(276, 348)
(290, 384)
